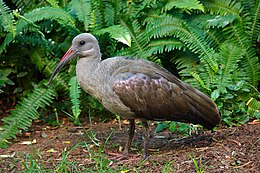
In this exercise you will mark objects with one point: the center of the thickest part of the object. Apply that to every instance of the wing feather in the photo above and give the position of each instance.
(153, 93)
(151, 98)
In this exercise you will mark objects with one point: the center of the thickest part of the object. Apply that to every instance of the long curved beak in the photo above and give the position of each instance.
(68, 56)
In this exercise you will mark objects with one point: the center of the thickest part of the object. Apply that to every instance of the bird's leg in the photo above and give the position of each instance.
(130, 137)
(127, 145)
(146, 139)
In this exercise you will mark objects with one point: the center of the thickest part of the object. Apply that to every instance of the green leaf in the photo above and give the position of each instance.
(215, 94)
(3, 77)
(117, 32)
(161, 127)
(173, 126)
(22, 74)
(183, 127)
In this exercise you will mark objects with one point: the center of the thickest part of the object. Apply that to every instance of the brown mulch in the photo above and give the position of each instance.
(233, 149)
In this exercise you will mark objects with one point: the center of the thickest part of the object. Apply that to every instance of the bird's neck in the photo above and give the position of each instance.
(87, 66)
(88, 75)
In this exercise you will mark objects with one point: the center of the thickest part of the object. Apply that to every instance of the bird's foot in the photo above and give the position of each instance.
(121, 157)
(145, 156)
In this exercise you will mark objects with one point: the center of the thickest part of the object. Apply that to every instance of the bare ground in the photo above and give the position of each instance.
(233, 149)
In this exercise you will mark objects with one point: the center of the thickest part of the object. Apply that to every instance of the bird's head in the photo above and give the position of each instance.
(83, 45)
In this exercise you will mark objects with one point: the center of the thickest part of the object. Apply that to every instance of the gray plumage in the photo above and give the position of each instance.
(135, 88)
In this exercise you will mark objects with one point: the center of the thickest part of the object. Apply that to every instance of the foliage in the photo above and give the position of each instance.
(253, 107)
(117, 32)
(197, 165)
(74, 98)
(210, 44)
(182, 128)
(4, 77)
(26, 111)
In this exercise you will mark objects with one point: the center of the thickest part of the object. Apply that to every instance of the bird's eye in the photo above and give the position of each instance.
(82, 42)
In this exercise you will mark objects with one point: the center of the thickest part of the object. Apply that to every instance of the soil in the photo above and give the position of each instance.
(233, 149)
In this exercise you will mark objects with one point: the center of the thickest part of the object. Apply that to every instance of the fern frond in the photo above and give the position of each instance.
(213, 35)
(75, 92)
(184, 4)
(201, 82)
(7, 24)
(254, 14)
(253, 106)
(133, 29)
(187, 65)
(230, 55)
(8, 39)
(82, 9)
(6, 18)
(47, 65)
(214, 38)
(34, 39)
(163, 45)
(26, 111)
(111, 12)
(190, 36)
(236, 33)
(139, 38)
(221, 21)
(44, 13)
(251, 65)
(223, 7)
(53, 3)
(97, 20)
(197, 44)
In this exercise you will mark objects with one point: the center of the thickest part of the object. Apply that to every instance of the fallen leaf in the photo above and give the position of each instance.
(236, 142)
(29, 142)
(66, 142)
(120, 149)
(85, 151)
(159, 137)
(44, 135)
(125, 122)
(227, 157)
(7, 155)
(37, 121)
(51, 151)
(27, 134)
(202, 149)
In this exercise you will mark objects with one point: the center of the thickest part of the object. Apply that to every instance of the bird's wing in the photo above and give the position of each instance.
(151, 97)
(152, 92)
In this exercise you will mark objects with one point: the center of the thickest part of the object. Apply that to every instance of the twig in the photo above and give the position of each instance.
(240, 166)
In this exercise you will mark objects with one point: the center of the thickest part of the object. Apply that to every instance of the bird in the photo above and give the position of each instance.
(135, 88)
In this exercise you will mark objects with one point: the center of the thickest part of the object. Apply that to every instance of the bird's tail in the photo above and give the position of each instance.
(203, 110)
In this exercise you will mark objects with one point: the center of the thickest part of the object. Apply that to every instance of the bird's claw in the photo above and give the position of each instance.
(120, 157)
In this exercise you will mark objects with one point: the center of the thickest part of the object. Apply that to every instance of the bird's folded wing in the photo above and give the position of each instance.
(152, 97)
(153, 93)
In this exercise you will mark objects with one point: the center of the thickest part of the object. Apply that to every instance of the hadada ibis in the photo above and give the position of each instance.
(137, 89)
